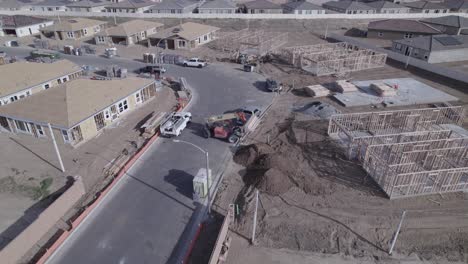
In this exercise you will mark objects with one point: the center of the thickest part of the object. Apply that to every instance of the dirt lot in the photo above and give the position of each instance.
(312, 199)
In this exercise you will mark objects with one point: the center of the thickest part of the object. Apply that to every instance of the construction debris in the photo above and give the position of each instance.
(332, 58)
(383, 89)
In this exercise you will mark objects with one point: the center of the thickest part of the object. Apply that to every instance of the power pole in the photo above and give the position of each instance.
(396, 233)
(255, 218)
(208, 181)
(56, 148)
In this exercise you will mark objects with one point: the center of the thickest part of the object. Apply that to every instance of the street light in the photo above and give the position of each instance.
(207, 169)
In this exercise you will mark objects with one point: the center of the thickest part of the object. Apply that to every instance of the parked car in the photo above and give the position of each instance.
(152, 69)
(195, 62)
(174, 123)
(273, 85)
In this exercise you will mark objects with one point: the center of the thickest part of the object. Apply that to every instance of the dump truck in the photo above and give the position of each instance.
(232, 126)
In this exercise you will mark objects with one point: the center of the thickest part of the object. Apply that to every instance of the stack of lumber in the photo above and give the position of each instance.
(344, 86)
(383, 89)
(116, 164)
(152, 125)
(316, 90)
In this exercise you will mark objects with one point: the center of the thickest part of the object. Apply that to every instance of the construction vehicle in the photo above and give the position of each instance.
(36, 54)
(231, 126)
(173, 123)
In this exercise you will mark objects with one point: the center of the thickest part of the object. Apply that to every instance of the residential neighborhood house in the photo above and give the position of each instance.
(22, 79)
(128, 33)
(451, 25)
(302, 8)
(75, 28)
(130, 6)
(186, 36)
(174, 7)
(434, 49)
(77, 110)
(426, 7)
(51, 5)
(459, 6)
(88, 6)
(349, 7)
(399, 29)
(21, 26)
(218, 7)
(386, 7)
(15, 5)
(261, 7)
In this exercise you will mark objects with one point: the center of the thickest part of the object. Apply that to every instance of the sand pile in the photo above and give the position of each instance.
(246, 155)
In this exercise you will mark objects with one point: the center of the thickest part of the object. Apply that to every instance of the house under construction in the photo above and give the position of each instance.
(332, 58)
(245, 41)
(408, 152)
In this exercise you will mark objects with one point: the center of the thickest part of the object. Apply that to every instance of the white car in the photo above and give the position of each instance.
(173, 123)
(195, 62)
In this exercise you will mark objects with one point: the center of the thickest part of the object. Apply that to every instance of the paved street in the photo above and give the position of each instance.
(148, 217)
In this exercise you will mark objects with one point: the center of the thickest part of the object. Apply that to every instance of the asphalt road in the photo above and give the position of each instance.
(149, 217)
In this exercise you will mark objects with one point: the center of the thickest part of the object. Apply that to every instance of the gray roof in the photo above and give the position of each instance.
(347, 5)
(131, 4)
(455, 4)
(424, 5)
(17, 21)
(451, 21)
(385, 4)
(53, 3)
(261, 4)
(88, 3)
(402, 25)
(302, 5)
(218, 4)
(436, 42)
(177, 4)
(15, 3)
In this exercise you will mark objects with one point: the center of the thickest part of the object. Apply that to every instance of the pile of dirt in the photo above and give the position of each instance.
(246, 155)
(274, 182)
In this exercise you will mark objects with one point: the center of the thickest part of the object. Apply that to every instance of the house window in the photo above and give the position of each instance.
(22, 126)
(107, 114)
(101, 39)
(46, 86)
(205, 38)
(13, 98)
(380, 34)
(85, 31)
(65, 136)
(123, 106)
(138, 97)
(398, 46)
(99, 121)
(70, 35)
(64, 79)
(40, 131)
(59, 81)
(415, 52)
(408, 35)
(28, 93)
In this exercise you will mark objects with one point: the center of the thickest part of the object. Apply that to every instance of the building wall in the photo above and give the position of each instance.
(448, 56)
(394, 11)
(185, 10)
(414, 53)
(85, 32)
(88, 128)
(25, 31)
(49, 8)
(391, 35)
(87, 9)
(217, 11)
(288, 10)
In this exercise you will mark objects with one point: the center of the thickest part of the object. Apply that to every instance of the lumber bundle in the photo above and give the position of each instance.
(383, 89)
(344, 86)
(152, 125)
(316, 90)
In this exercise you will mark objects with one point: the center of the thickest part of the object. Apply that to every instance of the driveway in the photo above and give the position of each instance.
(149, 216)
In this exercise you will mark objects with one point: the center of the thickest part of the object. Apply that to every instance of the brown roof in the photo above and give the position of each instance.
(188, 31)
(130, 28)
(73, 102)
(402, 25)
(74, 24)
(22, 75)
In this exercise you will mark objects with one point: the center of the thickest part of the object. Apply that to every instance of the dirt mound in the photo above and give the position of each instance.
(274, 182)
(246, 155)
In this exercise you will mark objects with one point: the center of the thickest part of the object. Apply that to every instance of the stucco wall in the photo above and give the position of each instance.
(448, 56)
(391, 35)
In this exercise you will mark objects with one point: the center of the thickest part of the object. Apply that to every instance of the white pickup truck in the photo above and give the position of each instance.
(173, 123)
(195, 62)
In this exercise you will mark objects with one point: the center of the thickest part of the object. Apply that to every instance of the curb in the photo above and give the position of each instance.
(192, 243)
